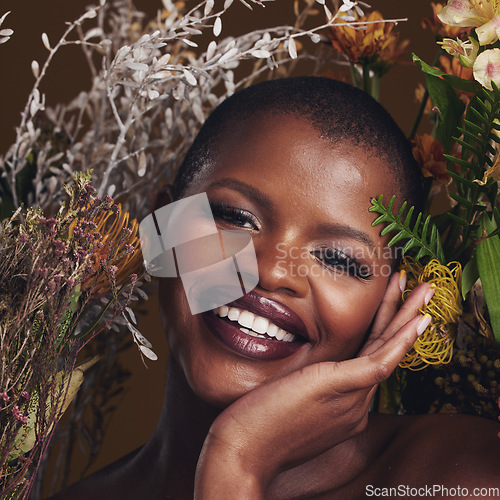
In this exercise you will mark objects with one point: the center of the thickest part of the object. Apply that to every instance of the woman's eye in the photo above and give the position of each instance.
(340, 262)
(235, 216)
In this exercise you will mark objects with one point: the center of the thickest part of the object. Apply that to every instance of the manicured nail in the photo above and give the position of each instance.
(429, 295)
(423, 323)
(402, 280)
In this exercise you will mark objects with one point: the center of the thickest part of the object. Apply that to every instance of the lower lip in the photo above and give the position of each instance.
(252, 347)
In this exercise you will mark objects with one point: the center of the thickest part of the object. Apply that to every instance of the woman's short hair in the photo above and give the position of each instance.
(341, 114)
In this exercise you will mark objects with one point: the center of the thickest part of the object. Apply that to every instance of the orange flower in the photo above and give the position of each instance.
(120, 247)
(430, 156)
(443, 30)
(376, 46)
(454, 67)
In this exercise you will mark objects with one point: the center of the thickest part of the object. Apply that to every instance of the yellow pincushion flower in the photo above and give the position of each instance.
(435, 345)
(123, 241)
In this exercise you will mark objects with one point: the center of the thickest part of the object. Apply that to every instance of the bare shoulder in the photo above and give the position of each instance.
(445, 450)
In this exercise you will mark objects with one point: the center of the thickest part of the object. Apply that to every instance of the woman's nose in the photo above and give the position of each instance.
(283, 266)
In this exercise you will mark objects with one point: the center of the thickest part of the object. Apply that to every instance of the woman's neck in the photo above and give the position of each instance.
(172, 453)
(175, 446)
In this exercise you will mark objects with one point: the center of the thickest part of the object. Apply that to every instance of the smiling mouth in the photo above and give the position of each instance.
(253, 325)
(276, 333)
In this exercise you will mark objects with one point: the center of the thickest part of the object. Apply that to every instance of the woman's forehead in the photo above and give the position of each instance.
(289, 146)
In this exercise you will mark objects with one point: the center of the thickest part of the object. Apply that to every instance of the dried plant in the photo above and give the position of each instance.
(47, 313)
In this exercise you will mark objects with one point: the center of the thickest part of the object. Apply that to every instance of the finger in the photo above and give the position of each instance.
(373, 368)
(388, 307)
(409, 310)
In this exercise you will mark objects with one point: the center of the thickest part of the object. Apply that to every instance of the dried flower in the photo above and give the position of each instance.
(18, 415)
(435, 345)
(376, 45)
(119, 246)
(41, 302)
(429, 154)
(5, 33)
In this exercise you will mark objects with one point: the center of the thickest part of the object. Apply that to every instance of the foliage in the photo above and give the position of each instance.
(47, 295)
(470, 141)
(418, 237)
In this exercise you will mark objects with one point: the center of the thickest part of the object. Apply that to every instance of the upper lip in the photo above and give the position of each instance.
(279, 314)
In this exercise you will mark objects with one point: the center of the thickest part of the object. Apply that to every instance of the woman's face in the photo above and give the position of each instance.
(323, 268)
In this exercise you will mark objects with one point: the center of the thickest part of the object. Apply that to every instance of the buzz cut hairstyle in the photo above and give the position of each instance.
(340, 112)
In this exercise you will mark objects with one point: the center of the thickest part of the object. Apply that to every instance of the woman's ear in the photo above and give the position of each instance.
(164, 197)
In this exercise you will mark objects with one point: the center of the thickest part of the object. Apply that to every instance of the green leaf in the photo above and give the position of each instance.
(461, 179)
(475, 128)
(470, 275)
(461, 200)
(457, 219)
(488, 263)
(418, 237)
(450, 107)
(455, 81)
(458, 161)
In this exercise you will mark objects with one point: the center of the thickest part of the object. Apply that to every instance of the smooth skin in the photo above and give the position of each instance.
(233, 427)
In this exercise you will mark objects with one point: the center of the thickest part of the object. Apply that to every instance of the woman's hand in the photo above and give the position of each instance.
(295, 418)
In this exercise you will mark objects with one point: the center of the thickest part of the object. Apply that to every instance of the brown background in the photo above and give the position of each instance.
(140, 406)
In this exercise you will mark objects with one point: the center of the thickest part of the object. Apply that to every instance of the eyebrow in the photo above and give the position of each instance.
(334, 229)
(346, 231)
(245, 189)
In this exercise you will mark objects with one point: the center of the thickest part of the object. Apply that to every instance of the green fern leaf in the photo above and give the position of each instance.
(418, 237)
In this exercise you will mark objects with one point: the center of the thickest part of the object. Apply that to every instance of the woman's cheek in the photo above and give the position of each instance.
(347, 312)
(174, 308)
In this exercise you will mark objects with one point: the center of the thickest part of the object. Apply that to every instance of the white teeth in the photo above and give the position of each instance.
(246, 319)
(254, 325)
(233, 314)
(280, 334)
(260, 324)
(271, 330)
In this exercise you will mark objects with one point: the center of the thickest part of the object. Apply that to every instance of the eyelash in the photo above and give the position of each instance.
(235, 216)
(240, 218)
(342, 262)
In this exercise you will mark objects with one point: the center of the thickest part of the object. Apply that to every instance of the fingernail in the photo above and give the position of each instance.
(423, 323)
(429, 294)
(402, 280)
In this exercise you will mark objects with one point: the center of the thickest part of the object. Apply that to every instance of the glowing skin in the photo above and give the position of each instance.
(302, 433)
(304, 194)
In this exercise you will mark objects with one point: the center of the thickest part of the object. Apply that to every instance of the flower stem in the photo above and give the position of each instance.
(355, 76)
(367, 81)
(376, 87)
(425, 98)
(420, 113)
